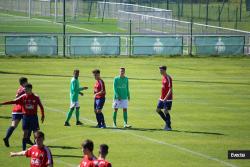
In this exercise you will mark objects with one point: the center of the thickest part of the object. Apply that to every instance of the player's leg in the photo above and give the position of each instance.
(15, 121)
(100, 105)
(96, 101)
(159, 111)
(167, 108)
(125, 118)
(114, 117)
(69, 114)
(26, 125)
(78, 122)
(115, 106)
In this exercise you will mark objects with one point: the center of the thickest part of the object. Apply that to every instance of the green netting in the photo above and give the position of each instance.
(157, 45)
(247, 5)
(31, 45)
(94, 45)
(219, 45)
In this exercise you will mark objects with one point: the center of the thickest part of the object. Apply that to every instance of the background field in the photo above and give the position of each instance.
(210, 112)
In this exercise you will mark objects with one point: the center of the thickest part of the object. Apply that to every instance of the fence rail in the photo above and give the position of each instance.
(123, 44)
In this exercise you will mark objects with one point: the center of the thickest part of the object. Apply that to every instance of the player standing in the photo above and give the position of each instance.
(99, 95)
(121, 97)
(17, 114)
(165, 101)
(29, 103)
(103, 152)
(39, 153)
(88, 158)
(75, 90)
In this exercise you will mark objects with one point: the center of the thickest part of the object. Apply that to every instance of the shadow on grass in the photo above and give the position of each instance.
(175, 130)
(66, 156)
(63, 147)
(131, 78)
(5, 117)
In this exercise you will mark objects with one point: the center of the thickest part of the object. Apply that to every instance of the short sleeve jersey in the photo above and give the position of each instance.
(87, 162)
(99, 86)
(17, 108)
(166, 87)
(40, 157)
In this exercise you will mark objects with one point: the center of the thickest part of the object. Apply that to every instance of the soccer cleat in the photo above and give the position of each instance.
(6, 142)
(66, 124)
(104, 126)
(127, 126)
(29, 142)
(114, 125)
(167, 128)
(79, 123)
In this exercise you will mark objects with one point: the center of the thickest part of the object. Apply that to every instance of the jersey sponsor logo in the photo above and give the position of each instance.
(35, 161)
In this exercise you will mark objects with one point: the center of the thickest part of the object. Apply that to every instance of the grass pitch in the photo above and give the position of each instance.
(210, 111)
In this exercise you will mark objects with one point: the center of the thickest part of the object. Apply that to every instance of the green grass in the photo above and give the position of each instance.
(210, 111)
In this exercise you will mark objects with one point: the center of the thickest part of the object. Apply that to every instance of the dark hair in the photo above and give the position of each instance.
(23, 80)
(39, 134)
(163, 68)
(88, 144)
(96, 71)
(76, 70)
(122, 68)
(104, 149)
(28, 86)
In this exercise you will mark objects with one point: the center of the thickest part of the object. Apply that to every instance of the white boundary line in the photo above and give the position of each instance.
(44, 20)
(195, 153)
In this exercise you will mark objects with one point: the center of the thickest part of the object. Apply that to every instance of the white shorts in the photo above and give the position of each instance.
(74, 104)
(120, 103)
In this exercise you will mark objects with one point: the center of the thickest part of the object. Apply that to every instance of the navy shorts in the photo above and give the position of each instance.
(164, 105)
(17, 117)
(99, 103)
(30, 122)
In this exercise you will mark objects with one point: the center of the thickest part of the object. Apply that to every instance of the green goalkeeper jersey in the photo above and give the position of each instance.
(74, 89)
(121, 88)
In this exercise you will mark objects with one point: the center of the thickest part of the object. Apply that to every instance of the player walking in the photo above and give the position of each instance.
(88, 158)
(17, 114)
(40, 154)
(75, 90)
(165, 101)
(103, 152)
(121, 97)
(29, 103)
(99, 98)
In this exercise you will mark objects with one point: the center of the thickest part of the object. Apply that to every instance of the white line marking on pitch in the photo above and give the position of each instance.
(163, 143)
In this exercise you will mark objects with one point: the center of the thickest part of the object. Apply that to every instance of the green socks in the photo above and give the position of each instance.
(125, 117)
(114, 117)
(69, 114)
(77, 114)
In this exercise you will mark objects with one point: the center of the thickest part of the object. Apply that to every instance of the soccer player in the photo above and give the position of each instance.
(165, 101)
(40, 154)
(121, 97)
(99, 98)
(17, 114)
(29, 102)
(103, 152)
(75, 90)
(88, 158)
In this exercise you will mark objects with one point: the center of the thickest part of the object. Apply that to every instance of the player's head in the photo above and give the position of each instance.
(23, 81)
(28, 88)
(87, 147)
(103, 150)
(76, 73)
(163, 69)
(122, 71)
(39, 138)
(96, 73)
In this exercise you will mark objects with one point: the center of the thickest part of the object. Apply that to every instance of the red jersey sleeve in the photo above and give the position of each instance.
(18, 100)
(28, 152)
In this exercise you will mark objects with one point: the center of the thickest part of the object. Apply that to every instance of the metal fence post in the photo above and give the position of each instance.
(130, 38)
(236, 19)
(64, 29)
(191, 38)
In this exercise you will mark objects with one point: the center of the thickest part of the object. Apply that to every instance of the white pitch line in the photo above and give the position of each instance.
(44, 20)
(198, 154)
